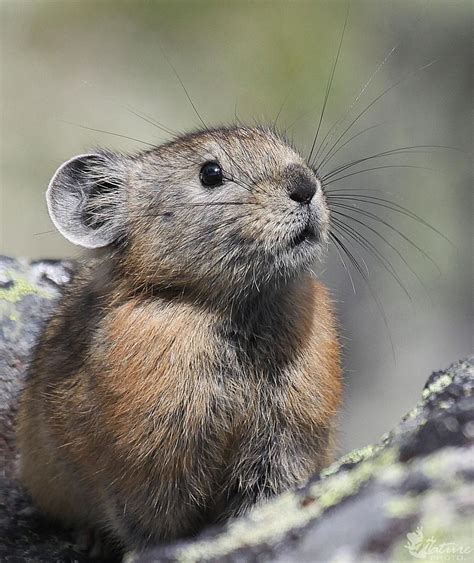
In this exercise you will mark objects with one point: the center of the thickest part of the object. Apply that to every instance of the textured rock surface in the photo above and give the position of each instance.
(409, 497)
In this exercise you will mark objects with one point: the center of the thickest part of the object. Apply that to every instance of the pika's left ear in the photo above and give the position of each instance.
(86, 199)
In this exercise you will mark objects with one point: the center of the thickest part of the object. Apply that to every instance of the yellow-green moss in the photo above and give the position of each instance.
(437, 386)
(403, 506)
(352, 457)
(20, 288)
(459, 534)
(273, 520)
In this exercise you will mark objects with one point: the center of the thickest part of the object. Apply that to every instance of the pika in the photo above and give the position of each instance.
(191, 370)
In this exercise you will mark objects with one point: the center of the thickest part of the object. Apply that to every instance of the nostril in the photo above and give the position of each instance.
(303, 192)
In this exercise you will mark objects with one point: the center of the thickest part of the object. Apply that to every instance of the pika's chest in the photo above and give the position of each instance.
(182, 366)
(224, 412)
(188, 355)
(192, 380)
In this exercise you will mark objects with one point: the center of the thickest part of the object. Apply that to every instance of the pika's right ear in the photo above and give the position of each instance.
(84, 198)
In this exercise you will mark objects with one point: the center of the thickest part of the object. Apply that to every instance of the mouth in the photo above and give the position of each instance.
(307, 235)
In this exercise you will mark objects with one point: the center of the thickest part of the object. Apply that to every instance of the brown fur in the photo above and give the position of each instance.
(151, 412)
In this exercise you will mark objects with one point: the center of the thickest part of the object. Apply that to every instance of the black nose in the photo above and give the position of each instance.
(303, 190)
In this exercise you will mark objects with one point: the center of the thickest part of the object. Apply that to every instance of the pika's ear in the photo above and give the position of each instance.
(84, 198)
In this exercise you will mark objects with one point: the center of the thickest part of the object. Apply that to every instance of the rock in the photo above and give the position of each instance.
(411, 496)
(27, 296)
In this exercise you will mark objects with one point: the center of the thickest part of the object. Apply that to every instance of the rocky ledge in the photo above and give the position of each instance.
(408, 497)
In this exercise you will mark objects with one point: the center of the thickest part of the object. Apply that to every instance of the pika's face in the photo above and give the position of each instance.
(218, 210)
(226, 208)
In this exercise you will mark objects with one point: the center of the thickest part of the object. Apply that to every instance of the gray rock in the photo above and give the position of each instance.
(411, 496)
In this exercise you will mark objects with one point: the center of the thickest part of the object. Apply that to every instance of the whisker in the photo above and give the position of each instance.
(413, 149)
(221, 203)
(168, 60)
(336, 124)
(192, 205)
(365, 170)
(237, 119)
(372, 249)
(52, 231)
(275, 121)
(374, 217)
(336, 246)
(152, 121)
(377, 98)
(373, 190)
(329, 85)
(392, 246)
(110, 133)
(388, 204)
(358, 134)
(365, 278)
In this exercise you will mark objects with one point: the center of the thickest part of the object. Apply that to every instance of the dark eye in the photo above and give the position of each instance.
(211, 174)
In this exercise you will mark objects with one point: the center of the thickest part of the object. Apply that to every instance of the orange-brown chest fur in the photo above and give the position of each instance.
(174, 403)
(170, 369)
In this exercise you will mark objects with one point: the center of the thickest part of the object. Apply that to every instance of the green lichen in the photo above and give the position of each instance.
(440, 526)
(437, 386)
(273, 520)
(403, 506)
(270, 522)
(414, 413)
(450, 539)
(264, 523)
(436, 466)
(347, 483)
(352, 457)
(20, 288)
(10, 296)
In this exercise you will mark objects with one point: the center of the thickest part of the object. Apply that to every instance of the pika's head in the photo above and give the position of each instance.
(224, 209)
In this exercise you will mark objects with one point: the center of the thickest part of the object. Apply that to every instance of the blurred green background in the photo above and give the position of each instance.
(71, 65)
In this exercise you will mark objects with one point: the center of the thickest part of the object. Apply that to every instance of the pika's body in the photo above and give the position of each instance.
(193, 370)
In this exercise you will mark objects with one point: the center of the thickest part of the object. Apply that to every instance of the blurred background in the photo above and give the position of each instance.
(73, 70)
